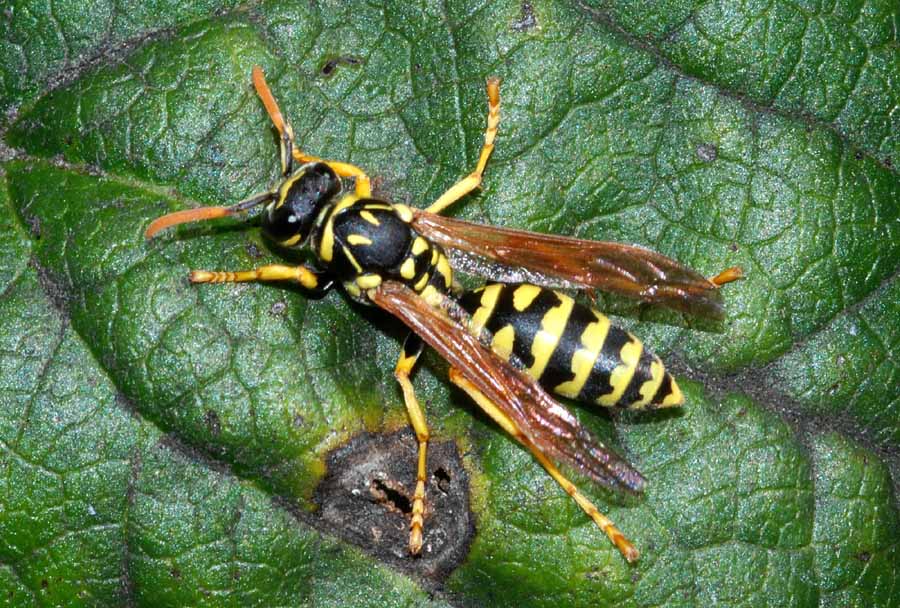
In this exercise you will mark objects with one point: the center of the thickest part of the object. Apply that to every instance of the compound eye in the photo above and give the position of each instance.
(300, 199)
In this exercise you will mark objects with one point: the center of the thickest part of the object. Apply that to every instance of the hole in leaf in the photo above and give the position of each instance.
(392, 498)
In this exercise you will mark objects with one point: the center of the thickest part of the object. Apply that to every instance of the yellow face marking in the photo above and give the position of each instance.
(419, 245)
(326, 247)
(621, 375)
(420, 284)
(489, 297)
(358, 239)
(351, 259)
(369, 217)
(285, 186)
(404, 212)
(523, 296)
(408, 269)
(502, 344)
(649, 387)
(291, 241)
(674, 398)
(545, 340)
(368, 281)
(443, 267)
(592, 339)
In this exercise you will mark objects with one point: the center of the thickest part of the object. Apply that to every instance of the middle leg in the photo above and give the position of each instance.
(412, 348)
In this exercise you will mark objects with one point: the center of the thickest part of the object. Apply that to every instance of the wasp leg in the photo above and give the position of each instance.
(289, 149)
(313, 281)
(473, 180)
(609, 528)
(412, 348)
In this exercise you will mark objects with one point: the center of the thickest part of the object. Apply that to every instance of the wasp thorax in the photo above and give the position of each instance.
(299, 199)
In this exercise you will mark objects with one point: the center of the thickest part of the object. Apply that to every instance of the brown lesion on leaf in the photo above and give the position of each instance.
(366, 498)
(527, 20)
(331, 64)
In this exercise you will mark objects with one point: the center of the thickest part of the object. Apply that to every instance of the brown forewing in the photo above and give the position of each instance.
(623, 269)
(546, 423)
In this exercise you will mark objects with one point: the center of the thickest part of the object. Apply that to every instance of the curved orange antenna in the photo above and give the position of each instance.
(188, 215)
(727, 276)
(203, 213)
(265, 95)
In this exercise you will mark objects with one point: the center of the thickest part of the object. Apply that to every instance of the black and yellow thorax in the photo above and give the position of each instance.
(363, 241)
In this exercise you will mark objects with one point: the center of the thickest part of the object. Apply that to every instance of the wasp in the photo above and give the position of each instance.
(508, 344)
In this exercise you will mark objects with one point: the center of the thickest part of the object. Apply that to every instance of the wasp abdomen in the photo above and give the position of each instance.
(571, 349)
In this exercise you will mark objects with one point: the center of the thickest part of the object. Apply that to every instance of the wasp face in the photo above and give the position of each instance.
(289, 218)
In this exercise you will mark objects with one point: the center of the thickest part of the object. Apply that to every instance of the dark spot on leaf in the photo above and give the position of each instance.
(329, 66)
(864, 556)
(299, 421)
(277, 308)
(68, 140)
(388, 493)
(527, 20)
(366, 498)
(44, 583)
(175, 572)
(211, 418)
(742, 412)
(733, 247)
(858, 155)
(707, 152)
(888, 163)
(253, 251)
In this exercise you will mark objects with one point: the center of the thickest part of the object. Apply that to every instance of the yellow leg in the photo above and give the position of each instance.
(307, 278)
(604, 523)
(412, 348)
(473, 180)
(363, 183)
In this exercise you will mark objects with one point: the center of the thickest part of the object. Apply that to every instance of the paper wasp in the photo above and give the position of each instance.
(507, 344)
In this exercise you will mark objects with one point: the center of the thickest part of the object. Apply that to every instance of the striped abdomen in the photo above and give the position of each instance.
(571, 349)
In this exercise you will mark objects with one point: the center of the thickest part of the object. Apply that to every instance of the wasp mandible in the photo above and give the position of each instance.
(507, 344)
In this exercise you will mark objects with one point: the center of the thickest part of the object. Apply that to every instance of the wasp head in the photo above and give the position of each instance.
(297, 202)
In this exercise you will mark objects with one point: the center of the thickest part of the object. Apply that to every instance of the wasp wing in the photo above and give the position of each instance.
(623, 269)
(546, 423)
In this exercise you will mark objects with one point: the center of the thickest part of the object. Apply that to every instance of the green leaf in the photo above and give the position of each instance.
(168, 444)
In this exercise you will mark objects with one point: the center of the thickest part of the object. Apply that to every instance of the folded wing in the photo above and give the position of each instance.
(546, 423)
(622, 269)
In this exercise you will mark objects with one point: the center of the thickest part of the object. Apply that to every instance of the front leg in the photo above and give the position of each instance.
(314, 282)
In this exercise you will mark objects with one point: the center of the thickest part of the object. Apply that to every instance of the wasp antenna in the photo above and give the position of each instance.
(265, 95)
(181, 217)
(727, 276)
(203, 213)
